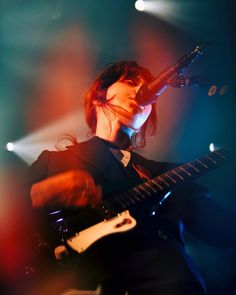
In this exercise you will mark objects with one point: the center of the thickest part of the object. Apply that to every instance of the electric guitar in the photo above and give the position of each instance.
(113, 215)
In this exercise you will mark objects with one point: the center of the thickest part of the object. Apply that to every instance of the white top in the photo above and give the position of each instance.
(122, 156)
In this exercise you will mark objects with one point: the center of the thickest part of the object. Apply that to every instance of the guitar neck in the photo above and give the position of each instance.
(160, 187)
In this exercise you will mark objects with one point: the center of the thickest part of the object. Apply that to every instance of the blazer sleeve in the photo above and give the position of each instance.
(38, 170)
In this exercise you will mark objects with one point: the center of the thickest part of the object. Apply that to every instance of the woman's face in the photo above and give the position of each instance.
(121, 97)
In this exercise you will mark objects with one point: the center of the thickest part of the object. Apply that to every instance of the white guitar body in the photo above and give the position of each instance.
(85, 238)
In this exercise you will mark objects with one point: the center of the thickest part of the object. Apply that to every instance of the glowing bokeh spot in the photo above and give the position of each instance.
(211, 147)
(139, 5)
(30, 146)
(178, 13)
(10, 146)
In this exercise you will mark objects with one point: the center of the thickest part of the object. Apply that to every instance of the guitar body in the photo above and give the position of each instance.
(84, 239)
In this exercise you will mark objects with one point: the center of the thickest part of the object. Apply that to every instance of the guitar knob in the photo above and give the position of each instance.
(60, 252)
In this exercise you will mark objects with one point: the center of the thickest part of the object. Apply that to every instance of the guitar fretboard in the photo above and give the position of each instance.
(160, 186)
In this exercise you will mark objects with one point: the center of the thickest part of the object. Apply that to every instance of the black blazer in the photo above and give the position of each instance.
(188, 207)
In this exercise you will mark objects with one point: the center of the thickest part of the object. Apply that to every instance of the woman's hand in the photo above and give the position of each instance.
(70, 188)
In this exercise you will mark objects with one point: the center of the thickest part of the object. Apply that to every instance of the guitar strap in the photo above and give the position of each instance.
(142, 172)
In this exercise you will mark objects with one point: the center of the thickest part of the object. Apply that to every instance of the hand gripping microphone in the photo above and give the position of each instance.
(148, 93)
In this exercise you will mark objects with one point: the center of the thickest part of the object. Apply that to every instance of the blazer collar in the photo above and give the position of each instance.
(95, 152)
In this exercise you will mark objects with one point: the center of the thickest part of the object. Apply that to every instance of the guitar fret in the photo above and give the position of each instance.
(194, 168)
(163, 180)
(203, 164)
(148, 185)
(177, 174)
(222, 156)
(122, 201)
(181, 168)
(144, 189)
(210, 159)
(125, 200)
(153, 181)
(132, 200)
(130, 193)
(122, 205)
(128, 198)
(171, 178)
(139, 193)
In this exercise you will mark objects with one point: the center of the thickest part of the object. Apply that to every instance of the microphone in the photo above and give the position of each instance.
(148, 93)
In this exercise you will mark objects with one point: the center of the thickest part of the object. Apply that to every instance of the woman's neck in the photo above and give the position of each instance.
(117, 135)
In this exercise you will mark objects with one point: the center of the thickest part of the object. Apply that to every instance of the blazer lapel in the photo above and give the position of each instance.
(97, 154)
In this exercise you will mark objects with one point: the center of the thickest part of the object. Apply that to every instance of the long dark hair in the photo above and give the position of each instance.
(97, 92)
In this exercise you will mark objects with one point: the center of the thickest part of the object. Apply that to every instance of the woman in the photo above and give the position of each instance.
(150, 258)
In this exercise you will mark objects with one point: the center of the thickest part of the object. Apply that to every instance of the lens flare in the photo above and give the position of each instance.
(10, 146)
